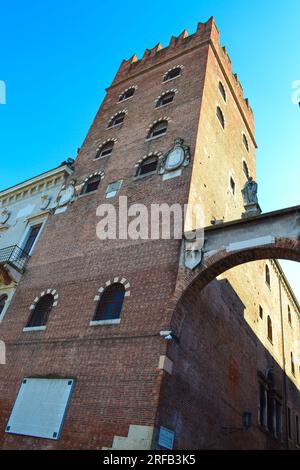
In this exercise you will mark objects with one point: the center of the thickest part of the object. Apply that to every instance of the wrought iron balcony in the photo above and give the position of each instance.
(14, 256)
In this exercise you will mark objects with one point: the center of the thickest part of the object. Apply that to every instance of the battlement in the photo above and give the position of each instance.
(206, 33)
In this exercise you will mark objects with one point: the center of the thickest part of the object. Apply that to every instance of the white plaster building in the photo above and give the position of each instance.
(24, 210)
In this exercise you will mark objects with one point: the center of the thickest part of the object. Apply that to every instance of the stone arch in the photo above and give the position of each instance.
(216, 264)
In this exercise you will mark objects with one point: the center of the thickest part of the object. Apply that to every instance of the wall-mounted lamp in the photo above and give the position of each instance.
(168, 335)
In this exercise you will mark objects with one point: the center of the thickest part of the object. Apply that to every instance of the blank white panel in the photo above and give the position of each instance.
(40, 407)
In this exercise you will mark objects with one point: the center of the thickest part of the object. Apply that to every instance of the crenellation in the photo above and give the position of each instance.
(205, 33)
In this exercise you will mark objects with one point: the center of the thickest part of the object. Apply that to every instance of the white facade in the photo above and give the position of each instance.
(24, 210)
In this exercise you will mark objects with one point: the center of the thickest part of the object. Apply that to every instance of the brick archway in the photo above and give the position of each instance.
(275, 235)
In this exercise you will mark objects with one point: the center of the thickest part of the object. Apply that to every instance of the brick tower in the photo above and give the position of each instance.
(127, 379)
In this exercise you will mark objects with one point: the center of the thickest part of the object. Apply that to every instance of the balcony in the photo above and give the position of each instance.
(15, 257)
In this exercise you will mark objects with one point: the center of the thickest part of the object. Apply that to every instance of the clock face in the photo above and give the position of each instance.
(175, 159)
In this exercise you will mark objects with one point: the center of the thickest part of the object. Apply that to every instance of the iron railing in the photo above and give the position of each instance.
(14, 256)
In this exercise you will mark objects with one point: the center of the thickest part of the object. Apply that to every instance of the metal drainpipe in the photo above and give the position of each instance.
(284, 368)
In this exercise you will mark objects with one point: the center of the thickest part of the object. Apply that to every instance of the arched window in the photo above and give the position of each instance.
(245, 142)
(3, 299)
(220, 116)
(110, 303)
(149, 165)
(245, 169)
(117, 119)
(40, 314)
(173, 73)
(127, 94)
(106, 149)
(267, 274)
(158, 129)
(292, 364)
(91, 184)
(270, 330)
(289, 315)
(165, 99)
(222, 90)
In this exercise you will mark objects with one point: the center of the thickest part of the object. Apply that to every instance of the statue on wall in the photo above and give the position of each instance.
(250, 192)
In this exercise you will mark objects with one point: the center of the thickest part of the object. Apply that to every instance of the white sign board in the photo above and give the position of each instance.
(40, 407)
(166, 438)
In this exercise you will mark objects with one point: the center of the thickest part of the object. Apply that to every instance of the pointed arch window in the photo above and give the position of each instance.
(220, 116)
(117, 119)
(110, 303)
(292, 364)
(158, 129)
(127, 94)
(268, 276)
(41, 312)
(147, 166)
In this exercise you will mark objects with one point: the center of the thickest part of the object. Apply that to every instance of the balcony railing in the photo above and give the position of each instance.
(14, 256)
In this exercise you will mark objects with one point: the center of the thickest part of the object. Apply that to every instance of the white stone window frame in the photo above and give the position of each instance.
(159, 156)
(10, 293)
(81, 185)
(124, 91)
(29, 226)
(245, 164)
(166, 92)
(174, 78)
(165, 118)
(123, 111)
(34, 304)
(113, 139)
(116, 280)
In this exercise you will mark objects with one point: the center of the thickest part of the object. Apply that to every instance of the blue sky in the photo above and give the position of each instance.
(57, 57)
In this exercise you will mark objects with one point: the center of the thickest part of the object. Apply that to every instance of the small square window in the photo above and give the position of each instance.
(113, 188)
